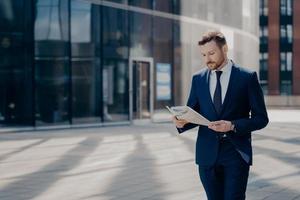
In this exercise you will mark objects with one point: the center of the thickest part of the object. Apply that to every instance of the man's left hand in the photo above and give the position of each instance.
(220, 126)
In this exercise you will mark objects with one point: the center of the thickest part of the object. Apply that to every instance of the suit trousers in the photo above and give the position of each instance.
(227, 179)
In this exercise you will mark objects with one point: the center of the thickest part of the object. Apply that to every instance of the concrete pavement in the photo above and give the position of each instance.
(150, 162)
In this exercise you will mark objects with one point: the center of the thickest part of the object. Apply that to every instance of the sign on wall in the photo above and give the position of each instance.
(163, 81)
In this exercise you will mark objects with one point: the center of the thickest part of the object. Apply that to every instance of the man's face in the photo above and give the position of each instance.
(213, 55)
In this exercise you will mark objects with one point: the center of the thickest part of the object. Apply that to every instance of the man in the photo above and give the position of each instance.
(225, 94)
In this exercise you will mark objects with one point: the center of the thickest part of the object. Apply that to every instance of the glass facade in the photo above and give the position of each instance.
(16, 63)
(286, 49)
(263, 45)
(85, 63)
(67, 62)
(52, 62)
(115, 44)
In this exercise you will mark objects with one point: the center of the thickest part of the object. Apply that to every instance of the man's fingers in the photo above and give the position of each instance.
(218, 126)
(216, 123)
(179, 122)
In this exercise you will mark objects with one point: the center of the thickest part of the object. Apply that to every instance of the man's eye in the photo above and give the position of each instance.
(211, 53)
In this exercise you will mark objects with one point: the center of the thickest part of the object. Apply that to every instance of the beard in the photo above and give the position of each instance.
(215, 65)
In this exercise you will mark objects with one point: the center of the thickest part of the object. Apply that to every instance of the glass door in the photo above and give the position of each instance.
(141, 101)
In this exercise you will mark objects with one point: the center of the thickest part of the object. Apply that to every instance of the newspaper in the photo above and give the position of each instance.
(187, 113)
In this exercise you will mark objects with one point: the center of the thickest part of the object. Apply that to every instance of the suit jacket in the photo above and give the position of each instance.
(243, 105)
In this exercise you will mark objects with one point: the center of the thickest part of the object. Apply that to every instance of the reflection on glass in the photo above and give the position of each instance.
(115, 91)
(80, 22)
(50, 19)
(51, 62)
(85, 63)
(141, 3)
(286, 7)
(286, 73)
(263, 32)
(289, 33)
(119, 1)
(141, 44)
(51, 92)
(85, 91)
(286, 33)
(263, 72)
(283, 7)
(289, 7)
(283, 61)
(163, 5)
(115, 33)
(15, 66)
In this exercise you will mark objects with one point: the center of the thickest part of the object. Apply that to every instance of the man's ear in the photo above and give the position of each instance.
(225, 48)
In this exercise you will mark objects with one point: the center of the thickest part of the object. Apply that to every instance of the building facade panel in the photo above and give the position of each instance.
(273, 48)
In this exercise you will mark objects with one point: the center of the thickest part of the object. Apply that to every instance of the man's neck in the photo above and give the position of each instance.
(223, 64)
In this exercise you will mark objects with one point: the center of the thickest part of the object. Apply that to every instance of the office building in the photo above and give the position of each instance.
(68, 63)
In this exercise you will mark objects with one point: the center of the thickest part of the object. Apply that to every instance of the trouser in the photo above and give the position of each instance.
(227, 179)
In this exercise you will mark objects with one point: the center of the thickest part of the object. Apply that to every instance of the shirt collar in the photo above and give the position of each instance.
(225, 69)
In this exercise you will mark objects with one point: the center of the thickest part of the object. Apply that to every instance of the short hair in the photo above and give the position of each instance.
(216, 36)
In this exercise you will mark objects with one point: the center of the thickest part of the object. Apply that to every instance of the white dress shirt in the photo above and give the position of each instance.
(224, 79)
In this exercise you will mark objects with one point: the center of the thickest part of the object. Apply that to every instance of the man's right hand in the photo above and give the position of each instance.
(179, 123)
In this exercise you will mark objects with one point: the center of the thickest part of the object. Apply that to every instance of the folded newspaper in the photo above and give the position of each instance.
(187, 113)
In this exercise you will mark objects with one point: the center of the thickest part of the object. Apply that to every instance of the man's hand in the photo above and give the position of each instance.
(221, 126)
(179, 123)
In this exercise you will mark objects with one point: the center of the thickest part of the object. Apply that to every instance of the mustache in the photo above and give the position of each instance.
(210, 63)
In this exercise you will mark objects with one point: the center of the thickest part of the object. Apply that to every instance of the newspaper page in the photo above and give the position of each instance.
(187, 113)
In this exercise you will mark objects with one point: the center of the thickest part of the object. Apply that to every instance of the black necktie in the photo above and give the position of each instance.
(218, 93)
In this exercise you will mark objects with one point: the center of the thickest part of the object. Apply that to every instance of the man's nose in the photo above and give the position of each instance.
(207, 59)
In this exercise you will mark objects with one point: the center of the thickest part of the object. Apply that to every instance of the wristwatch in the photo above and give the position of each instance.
(233, 128)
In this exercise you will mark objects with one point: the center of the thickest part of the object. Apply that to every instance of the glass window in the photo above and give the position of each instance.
(141, 44)
(115, 33)
(286, 73)
(86, 74)
(283, 7)
(263, 32)
(264, 61)
(289, 33)
(12, 14)
(15, 63)
(177, 7)
(115, 86)
(289, 61)
(51, 16)
(115, 82)
(52, 92)
(141, 3)
(52, 69)
(163, 5)
(263, 72)
(266, 7)
(289, 7)
(80, 22)
(263, 7)
(283, 33)
(286, 7)
(283, 61)
(119, 1)
(86, 88)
